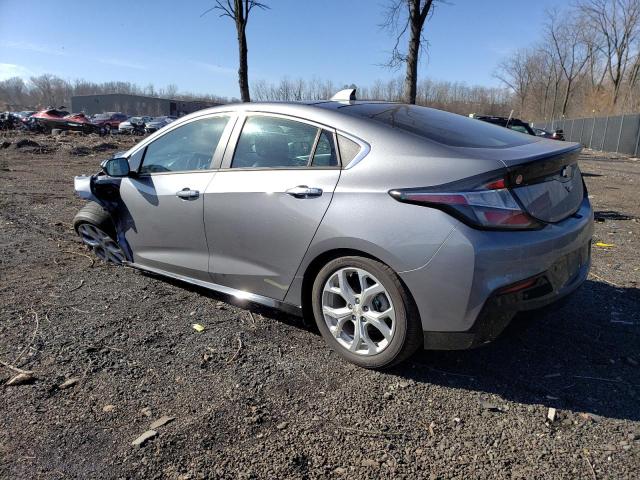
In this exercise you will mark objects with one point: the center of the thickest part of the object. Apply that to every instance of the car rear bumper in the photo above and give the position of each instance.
(500, 308)
(460, 293)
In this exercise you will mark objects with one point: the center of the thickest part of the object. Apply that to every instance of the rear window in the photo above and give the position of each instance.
(442, 127)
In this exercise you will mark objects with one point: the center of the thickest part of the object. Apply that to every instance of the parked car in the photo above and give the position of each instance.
(9, 120)
(134, 125)
(48, 119)
(108, 121)
(25, 114)
(512, 123)
(555, 135)
(395, 226)
(157, 123)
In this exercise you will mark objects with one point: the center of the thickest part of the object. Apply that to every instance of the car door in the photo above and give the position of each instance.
(264, 206)
(164, 200)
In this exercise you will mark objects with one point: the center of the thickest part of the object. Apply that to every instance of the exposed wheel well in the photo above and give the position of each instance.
(320, 261)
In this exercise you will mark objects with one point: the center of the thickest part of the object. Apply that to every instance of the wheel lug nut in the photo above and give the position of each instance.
(353, 317)
(366, 309)
(362, 318)
(350, 306)
(357, 300)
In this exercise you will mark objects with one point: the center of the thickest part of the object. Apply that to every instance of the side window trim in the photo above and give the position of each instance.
(314, 147)
(233, 142)
(216, 157)
(336, 149)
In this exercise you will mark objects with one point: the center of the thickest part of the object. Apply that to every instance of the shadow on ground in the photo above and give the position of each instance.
(583, 356)
(603, 215)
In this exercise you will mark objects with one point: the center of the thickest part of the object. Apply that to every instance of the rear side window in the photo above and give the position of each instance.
(273, 142)
(348, 149)
(442, 127)
(188, 147)
(325, 153)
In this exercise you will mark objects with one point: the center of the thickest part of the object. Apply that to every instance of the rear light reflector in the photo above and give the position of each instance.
(519, 286)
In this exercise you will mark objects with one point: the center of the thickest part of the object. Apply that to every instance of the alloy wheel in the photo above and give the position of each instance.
(358, 311)
(101, 243)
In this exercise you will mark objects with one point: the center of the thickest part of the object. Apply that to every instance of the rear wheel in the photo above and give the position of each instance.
(365, 313)
(95, 228)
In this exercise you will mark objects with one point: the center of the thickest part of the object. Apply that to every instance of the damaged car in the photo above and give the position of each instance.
(394, 226)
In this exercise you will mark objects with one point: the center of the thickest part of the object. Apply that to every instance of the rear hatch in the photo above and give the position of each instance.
(544, 177)
(550, 189)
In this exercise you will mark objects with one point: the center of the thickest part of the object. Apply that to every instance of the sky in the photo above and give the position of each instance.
(169, 42)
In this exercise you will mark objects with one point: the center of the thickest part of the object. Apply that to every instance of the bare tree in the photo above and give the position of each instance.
(617, 22)
(571, 49)
(171, 91)
(517, 72)
(403, 16)
(238, 11)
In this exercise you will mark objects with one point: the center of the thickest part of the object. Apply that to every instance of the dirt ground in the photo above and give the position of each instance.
(259, 395)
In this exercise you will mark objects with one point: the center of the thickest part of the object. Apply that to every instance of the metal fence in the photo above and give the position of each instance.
(619, 133)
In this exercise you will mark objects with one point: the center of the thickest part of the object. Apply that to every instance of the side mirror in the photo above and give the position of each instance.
(116, 167)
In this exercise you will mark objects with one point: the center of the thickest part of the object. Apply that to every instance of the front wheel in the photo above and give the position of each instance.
(95, 228)
(365, 313)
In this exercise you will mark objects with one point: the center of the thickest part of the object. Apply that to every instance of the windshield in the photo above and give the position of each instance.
(442, 127)
(101, 116)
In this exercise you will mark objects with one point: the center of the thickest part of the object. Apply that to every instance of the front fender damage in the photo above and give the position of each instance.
(82, 186)
(105, 191)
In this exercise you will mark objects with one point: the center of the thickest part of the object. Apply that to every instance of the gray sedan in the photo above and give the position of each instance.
(394, 226)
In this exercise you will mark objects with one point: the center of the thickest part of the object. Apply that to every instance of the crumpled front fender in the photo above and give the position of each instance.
(82, 186)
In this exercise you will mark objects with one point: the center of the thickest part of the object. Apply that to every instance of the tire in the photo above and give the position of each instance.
(404, 332)
(94, 226)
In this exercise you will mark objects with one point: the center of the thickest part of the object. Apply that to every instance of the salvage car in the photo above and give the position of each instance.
(106, 122)
(507, 122)
(557, 134)
(134, 125)
(157, 123)
(394, 226)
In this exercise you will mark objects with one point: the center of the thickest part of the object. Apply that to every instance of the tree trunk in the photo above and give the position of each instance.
(243, 69)
(411, 79)
(566, 97)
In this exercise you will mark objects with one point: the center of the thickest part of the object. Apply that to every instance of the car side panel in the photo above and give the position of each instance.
(165, 231)
(377, 225)
(257, 233)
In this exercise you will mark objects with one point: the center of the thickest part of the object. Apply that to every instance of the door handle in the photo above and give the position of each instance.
(188, 194)
(303, 191)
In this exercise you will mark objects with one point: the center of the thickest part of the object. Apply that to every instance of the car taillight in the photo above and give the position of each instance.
(488, 206)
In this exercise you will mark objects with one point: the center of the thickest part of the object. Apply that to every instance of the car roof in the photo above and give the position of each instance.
(327, 112)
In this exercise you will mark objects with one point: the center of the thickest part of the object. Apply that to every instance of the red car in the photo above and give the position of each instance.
(109, 120)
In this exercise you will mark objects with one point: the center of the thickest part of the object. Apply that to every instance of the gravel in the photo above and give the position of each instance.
(261, 396)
